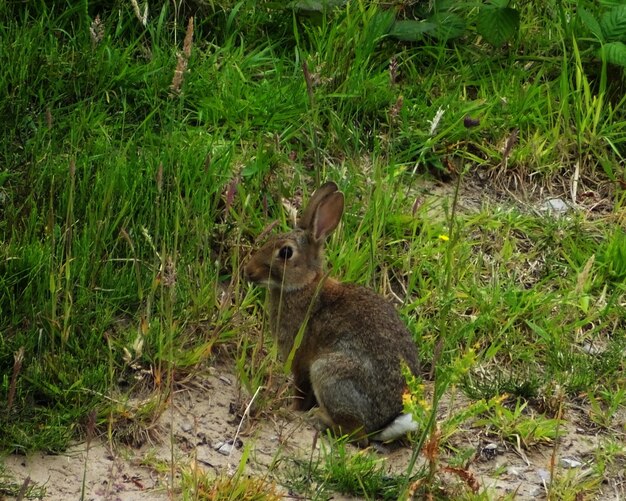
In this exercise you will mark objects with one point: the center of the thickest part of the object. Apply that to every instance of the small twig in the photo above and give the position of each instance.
(557, 442)
(23, 489)
(246, 412)
(575, 180)
(517, 448)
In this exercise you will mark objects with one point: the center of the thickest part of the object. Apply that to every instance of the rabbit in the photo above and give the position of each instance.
(353, 343)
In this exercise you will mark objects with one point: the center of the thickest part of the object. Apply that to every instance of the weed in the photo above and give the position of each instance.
(197, 484)
(338, 469)
(607, 30)
(519, 426)
(235, 485)
(605, 404)
(575, 482)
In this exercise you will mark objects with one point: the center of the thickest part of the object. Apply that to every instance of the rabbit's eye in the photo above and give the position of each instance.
(285, 252)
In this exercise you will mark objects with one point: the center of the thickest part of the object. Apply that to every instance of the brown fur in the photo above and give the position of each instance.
(354, 343)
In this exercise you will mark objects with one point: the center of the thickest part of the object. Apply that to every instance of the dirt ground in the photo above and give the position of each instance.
(201, 420)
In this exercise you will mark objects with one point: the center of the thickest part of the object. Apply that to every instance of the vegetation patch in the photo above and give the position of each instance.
(147, 148)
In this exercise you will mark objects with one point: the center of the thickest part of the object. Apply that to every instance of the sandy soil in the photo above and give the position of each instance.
(201, 419)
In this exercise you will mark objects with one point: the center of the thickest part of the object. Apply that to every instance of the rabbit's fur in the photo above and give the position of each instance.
(354, 343)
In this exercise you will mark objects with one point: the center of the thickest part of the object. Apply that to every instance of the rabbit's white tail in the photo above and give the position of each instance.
(397, 428)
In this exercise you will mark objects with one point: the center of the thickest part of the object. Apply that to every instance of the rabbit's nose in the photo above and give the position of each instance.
(248, 273)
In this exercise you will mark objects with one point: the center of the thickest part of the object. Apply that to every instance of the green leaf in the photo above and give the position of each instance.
(447, 25)
(583, 302)
(4, 175)
(249, 170)
(614, 53)
(411, 31)
(498, 25)
(613, 24)
(611, 3)
(591, 23)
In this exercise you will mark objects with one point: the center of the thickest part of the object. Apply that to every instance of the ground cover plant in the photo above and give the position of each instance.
(147, 148)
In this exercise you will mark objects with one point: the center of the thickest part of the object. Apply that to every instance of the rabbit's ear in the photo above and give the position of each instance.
(327, 216)
(306, 221)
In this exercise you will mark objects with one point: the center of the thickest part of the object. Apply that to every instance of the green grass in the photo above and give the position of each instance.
(363, 474)
(127, 209)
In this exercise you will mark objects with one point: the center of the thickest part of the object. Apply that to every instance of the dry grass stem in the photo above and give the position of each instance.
(396, 108)
(96, 30)
(393, 71)
(143, 18)
(17, 367)
(179, 72)
(183, 60)
(509, 144)
(23, 490)
(188, 43)
(309, 83)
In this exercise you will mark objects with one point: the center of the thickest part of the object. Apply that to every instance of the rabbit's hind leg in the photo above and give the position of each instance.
(345, 425)
(340, 402)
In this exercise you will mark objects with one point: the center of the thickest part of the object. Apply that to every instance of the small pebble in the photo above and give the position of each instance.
(512, 471)
(224, 448)
(590, 349)
(554, 206)
(570, 463)
(544, 475)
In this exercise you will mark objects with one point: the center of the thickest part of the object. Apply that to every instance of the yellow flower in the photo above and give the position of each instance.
(407, 398)
(445, 238)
